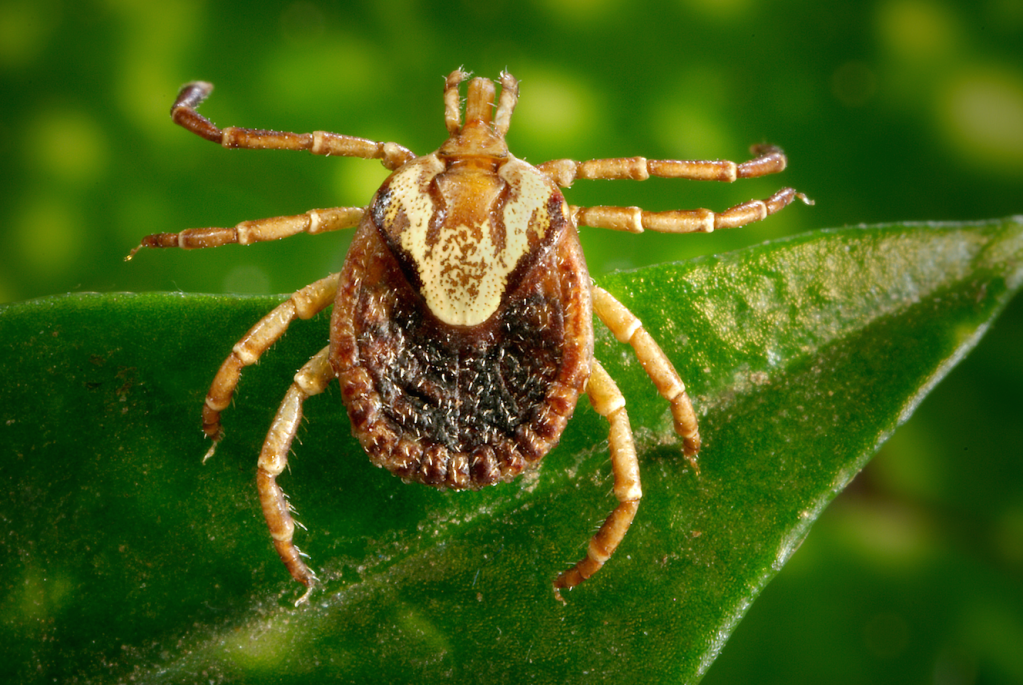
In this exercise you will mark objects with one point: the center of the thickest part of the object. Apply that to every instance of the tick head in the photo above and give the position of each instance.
(480, 139)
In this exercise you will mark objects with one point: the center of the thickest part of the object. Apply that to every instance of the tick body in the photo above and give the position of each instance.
(462, 325)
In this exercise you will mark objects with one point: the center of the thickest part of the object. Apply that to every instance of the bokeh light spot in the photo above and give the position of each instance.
(67, 144)
(24, 29)
(686, 120)
(685, 131)
(916, 30)
(158, 38)
(558, 109)
(982, 113)
(48, 237)
(145, 90)
(358, 179)
(325, 72)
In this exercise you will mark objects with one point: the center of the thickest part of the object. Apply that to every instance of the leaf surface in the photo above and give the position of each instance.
(126, 557)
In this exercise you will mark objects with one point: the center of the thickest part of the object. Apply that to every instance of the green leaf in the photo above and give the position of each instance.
(125, 557)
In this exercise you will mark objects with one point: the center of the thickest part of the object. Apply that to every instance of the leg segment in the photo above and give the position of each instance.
(506, 105)
(607, 400)
(258, 231)
(564, 172)
(304, 304)
(635, 220)
(191, 95)
(628, 329)
(312, 379)
(453, 101)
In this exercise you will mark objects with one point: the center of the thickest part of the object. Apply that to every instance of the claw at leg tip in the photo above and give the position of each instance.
(694, 465)
(304, 599)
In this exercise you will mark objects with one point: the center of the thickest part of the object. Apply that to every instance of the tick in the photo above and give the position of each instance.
(462, 329)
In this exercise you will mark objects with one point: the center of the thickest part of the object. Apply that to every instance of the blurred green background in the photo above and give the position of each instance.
(889, 110)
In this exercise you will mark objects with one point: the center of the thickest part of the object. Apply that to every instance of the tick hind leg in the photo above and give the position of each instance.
(607, 400)
(628, 329)
(304, 304)
(312, 379)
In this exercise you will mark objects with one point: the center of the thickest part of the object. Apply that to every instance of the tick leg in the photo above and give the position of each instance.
(258, 231)
(607, 400)
(628, 329)
(312, 379)
(191, 95)
(304, 304)
(768, 160)
(636, 220)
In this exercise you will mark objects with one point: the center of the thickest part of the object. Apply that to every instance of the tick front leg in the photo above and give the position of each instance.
(607, 400)
(304, 304)
(768, 160)
(258, 231)
(628, 329)
(191, 95)
(312, 379)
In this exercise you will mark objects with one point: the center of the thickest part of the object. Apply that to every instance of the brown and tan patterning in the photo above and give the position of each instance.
(462, 328)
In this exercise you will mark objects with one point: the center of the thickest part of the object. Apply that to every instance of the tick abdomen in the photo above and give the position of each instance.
(460, 406)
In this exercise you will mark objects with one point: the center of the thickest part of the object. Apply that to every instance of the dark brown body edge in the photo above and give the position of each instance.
(554, 293)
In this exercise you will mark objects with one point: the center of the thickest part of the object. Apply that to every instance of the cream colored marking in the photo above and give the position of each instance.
(320, 145)
(464, 273)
